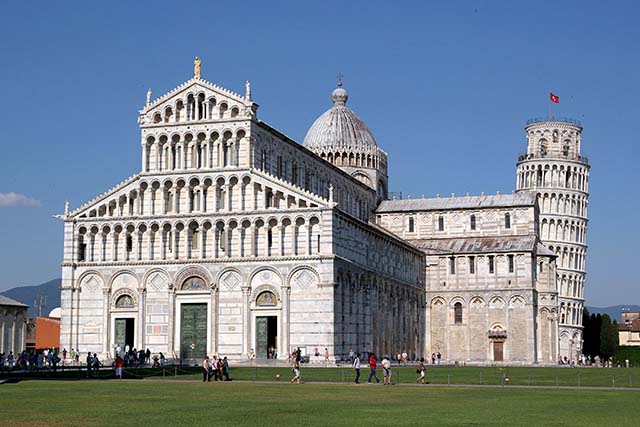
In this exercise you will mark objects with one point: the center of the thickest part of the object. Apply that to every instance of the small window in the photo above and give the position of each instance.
(82, 251)
(473, 222)
(507, 221)
(440, 223)
(491, 264)
(457, 312)
(452, 265)
(129, 243)
(472, 265)
(270, 238)
(511, 263)
(269, 199)
(411, 225)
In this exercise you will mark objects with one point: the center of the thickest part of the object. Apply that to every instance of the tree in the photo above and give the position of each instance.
(608, 337)
(587, 340)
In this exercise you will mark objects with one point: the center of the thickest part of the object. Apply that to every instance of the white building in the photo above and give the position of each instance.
(13, 326)
(234, 237)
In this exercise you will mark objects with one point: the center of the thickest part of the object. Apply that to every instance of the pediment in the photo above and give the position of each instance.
(196, 89)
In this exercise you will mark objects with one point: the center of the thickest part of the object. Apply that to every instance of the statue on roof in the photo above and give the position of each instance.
(247, 92)
(66, 207)
(149, 97)
(196, 67)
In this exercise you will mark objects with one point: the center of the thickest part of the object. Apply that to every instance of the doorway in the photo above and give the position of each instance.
(266, 337)
(498, 351)
(193, 331)
(124, 330)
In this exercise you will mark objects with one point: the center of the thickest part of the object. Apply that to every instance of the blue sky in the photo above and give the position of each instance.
(445, 88)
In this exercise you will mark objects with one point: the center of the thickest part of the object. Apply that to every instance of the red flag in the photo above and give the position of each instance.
(554, 98)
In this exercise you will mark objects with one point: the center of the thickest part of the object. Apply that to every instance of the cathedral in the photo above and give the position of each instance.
(233, 239)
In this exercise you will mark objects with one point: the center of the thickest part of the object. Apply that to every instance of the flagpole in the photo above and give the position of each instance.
(549, 101)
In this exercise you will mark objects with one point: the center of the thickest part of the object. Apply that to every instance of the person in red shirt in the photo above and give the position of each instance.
(119, 365)
(373, 364)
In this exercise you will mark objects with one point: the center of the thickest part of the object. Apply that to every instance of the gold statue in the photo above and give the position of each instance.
(196, 68)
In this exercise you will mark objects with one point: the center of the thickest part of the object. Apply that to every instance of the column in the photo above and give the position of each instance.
(106, 294)
(142, 296)
(171, 327)
(228, 196)
(144, 157)
(251, 232)
(202, 198)
(2, 349)
(176, 200)
(214, 198)
(176, 240)
(214, 320)
(246, 319)
(12, 336)
(150, 243)
(284, 350)
(281, 240)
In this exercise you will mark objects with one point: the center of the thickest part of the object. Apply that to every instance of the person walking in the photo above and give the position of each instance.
(356, 366)
(119, 365)
(296, 372)
(386, 369)
(373, 364)
(89, 364)
(205, 370)
(326, 357)
(420, 371)
(225, 368)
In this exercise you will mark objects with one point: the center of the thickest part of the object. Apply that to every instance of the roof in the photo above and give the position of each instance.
(8, 301)
(523, 198)
(339, 126)
(633, 326)
(474, 245)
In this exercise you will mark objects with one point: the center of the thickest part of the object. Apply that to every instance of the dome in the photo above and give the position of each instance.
(339, 126)
(56, 312)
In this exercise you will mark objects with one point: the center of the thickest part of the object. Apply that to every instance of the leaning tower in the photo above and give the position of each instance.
(558, 173)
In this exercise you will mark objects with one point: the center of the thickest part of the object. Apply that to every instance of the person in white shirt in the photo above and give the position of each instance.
(386, 366)
(205, 372)
(356, 366)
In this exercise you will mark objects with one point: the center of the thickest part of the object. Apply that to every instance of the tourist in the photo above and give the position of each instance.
(72, 355)
(420, 371)
(386, 369)
(162, 359)
(326, 357)
(77, 357)
(147, 357)
(225, 368)
(251, 356)
(439, 357)
(433, 358)
(206, 376)
(398, 358)
(356, 366)
(2, 361)
(64, 356)
(89, 364)
(296, 372)
(156, 361)
(96, 364)
(351, 356)
(373, 364)
(119, 364)
(405, 357)
(219, 369)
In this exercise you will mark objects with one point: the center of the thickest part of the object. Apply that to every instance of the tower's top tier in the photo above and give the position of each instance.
(553, 138)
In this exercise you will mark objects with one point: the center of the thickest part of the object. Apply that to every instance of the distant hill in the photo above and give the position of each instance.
(614, 311)
(27, 295)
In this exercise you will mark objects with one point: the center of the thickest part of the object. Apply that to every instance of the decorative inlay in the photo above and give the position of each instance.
(158, 281)
(230, 280)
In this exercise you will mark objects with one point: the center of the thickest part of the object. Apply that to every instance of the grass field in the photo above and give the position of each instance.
(542, 376)
(166, 403)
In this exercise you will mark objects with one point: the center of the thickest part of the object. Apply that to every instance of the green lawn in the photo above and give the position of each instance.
(165, 403)
(544, 376)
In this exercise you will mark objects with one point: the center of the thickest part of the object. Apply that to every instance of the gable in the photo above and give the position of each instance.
(213, 102)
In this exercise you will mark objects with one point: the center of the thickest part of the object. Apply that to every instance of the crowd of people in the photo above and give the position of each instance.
(216, 368)
(34, 360)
